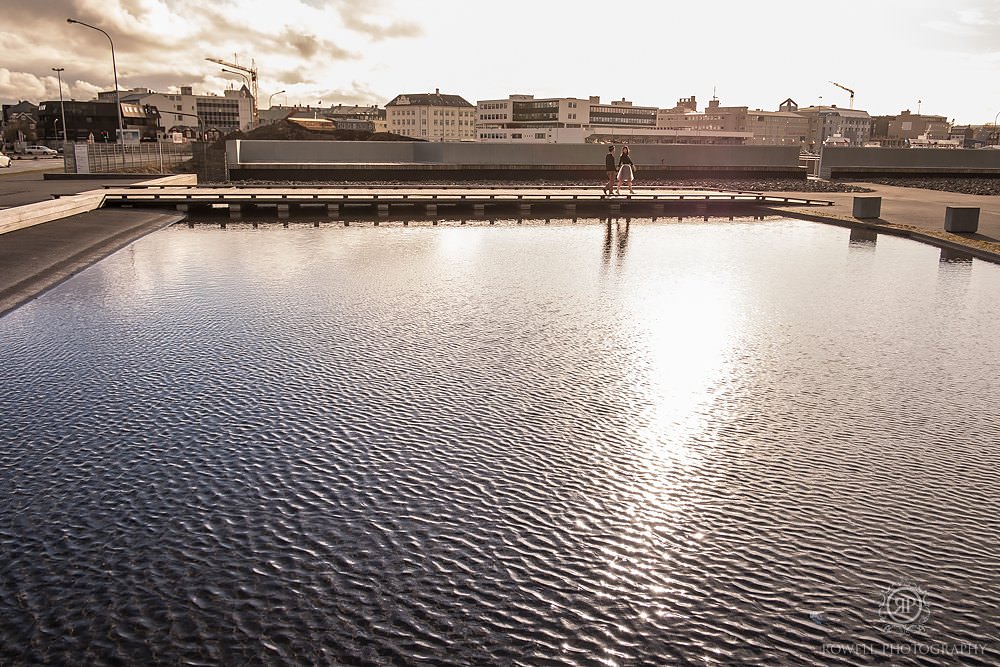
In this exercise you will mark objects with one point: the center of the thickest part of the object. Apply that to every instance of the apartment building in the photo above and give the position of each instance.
(431, 116)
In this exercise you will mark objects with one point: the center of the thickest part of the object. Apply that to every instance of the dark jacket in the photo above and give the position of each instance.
(609, 161)
(625, 159)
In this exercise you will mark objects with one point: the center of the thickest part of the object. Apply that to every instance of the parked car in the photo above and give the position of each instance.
(38, 150)
(4, 160)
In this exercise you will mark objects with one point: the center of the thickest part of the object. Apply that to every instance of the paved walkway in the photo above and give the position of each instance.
(914, 207)
(29, 186)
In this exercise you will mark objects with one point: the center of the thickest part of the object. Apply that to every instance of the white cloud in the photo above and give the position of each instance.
(891, 52)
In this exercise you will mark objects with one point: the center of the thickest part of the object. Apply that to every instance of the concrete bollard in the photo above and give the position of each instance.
(961, 219)
(383, 210)
(333, 211)
(235, 212)
(867, 207)
(282, 211)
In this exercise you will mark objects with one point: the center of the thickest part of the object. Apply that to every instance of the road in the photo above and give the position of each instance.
(24, 182)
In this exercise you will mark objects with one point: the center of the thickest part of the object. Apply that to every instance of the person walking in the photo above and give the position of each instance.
(626, 170)
(611, 169)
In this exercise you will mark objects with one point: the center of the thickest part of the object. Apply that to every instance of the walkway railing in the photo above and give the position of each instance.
(142, 158)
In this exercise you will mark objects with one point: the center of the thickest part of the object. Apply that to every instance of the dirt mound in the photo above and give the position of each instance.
(283, 130)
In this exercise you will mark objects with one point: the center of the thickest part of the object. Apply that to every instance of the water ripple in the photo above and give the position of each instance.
(723, 443)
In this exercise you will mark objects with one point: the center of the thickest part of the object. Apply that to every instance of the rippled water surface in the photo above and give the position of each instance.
(644, 443)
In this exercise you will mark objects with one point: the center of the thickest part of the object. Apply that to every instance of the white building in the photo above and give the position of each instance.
(218, 114)
(431, 116)
(577, 120)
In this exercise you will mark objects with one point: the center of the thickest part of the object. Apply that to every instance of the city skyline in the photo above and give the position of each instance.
(918, 55)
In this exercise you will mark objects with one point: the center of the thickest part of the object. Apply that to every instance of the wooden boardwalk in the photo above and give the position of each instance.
(286, 200)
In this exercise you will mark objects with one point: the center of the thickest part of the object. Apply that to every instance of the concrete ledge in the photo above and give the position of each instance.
(63, 176)
(19, 217)
(176, 179)
(43, 256)
(452, 172)
(987, 251)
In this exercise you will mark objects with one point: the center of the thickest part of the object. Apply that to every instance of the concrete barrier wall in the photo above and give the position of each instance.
(243, 153)
(903, 161)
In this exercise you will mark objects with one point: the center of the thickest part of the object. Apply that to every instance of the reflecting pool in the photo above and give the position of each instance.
(620, 443)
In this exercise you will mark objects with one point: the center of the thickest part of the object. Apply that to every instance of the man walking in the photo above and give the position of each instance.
(612, 170)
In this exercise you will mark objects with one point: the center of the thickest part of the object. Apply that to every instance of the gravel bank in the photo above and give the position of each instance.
(967, 186)
(749, 185)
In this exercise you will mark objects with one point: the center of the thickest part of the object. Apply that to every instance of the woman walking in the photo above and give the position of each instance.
(625, 171)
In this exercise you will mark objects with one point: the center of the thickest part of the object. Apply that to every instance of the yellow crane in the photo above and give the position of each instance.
(252, 72)
(842, 87)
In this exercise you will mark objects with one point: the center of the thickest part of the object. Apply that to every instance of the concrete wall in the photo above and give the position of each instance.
(247, 154)
(851, 161)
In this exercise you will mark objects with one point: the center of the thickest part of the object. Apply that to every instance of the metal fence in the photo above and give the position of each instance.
(143, 158)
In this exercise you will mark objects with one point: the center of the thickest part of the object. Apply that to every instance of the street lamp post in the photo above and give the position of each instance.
(118, 103)
(62, 107)
(245, 77)
(271, 97)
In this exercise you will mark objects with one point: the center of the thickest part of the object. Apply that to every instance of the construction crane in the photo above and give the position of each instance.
(252, 71)
(847, 89)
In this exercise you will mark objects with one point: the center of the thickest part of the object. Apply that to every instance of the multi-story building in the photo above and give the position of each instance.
(975, 136)
(850, 127)
(524, 119)
(184, 112)
(768, 128)
(96, 121)
(906, 127)
(432, 117)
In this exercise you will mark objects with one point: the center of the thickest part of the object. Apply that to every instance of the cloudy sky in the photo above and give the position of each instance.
(944, 53)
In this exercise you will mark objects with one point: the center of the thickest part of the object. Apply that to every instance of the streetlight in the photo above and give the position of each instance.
(118, 102)
(245, 77)
(280, 92)
(62, 107)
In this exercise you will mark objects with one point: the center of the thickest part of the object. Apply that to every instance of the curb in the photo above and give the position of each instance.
(988, 251)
